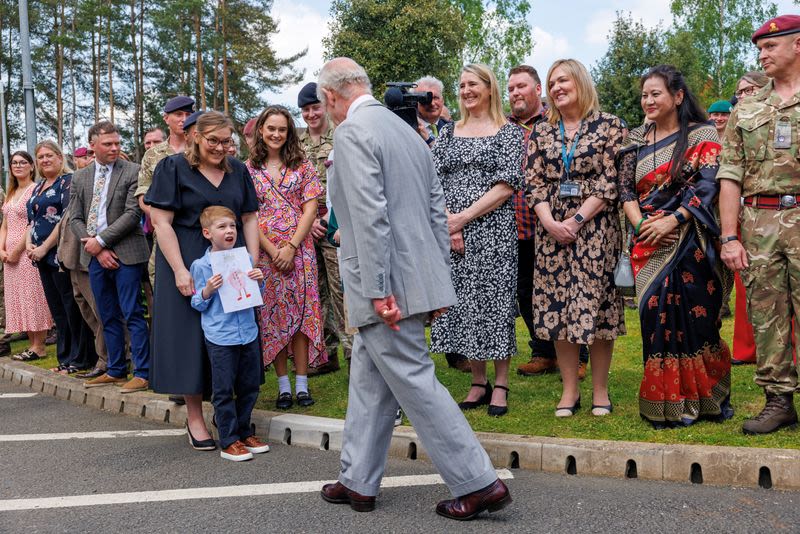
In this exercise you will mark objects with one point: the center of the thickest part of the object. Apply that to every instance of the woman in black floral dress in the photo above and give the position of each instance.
(479, 160)
(573, 190)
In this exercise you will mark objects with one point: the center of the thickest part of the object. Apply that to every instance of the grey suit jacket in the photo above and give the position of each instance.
(389, 205)
(124, 233)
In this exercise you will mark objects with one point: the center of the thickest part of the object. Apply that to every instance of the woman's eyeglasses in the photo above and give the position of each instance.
(19, 163)
(213, 142)
(747, 91)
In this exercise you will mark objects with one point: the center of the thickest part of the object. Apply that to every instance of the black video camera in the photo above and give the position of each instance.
(403, 102)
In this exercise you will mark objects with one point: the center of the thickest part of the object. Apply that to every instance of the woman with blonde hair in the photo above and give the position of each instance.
(46, 206)
(26, 306)
(572, 182)
(479, 161)
(183, 186)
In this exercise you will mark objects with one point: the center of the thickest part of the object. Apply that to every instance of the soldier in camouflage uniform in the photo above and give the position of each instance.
(760, 161)
(330, 282)
(176, 111)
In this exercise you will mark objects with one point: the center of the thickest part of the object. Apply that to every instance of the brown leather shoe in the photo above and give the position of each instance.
(463, 365)
(330, 367)
(581, 370)
(339, 494)
(538, 366)
(493, 497)
(135, 384)
(104, 380)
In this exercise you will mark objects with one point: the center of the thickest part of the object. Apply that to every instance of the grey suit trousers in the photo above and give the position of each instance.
(388, 368)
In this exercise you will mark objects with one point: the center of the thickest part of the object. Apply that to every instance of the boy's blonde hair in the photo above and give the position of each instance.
(212, 213)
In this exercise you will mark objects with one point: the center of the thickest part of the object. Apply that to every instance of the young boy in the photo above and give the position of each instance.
(232, 342)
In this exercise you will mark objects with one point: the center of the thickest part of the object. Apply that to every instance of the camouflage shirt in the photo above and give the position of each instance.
(150, 159)
(317, 154)
(749, 155)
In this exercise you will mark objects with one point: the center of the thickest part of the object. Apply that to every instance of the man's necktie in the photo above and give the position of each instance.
(94, 207)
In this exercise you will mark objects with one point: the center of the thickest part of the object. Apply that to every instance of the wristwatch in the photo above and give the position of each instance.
(579, 218)
(680, 216)
(728, 239)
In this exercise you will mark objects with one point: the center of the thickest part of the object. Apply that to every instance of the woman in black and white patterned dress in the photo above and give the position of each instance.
(479, 161)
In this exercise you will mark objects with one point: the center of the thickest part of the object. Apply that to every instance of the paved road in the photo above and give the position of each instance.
(36, 467)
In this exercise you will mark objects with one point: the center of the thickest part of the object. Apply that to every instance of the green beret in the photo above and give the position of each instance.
(720, 106)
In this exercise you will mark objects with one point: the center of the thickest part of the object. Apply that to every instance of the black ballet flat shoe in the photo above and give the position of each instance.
(483, 401)
(200, 445)
(499, 411)
(304, 399)
(568, 411)
(284, 401)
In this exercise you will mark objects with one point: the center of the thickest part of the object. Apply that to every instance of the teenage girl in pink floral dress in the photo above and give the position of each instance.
(287, 186)
(26, 307)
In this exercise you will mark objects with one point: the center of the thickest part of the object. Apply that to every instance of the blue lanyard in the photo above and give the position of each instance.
(566, 159)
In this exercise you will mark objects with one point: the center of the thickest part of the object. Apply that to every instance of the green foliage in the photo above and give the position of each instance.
(721, 31)
(395, 40)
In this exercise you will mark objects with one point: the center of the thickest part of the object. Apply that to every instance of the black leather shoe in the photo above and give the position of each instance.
(338, 493)
(499, 411)
(177, 399)
(304, 399)
(493, 497)
(88, 375)
(284, 401)
(200, 445)
(483, 401)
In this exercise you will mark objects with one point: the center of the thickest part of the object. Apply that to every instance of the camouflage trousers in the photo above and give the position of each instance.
(331, 299)
(772, 241)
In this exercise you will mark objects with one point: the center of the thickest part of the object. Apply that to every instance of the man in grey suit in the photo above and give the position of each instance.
(395, 268)
(107, 219)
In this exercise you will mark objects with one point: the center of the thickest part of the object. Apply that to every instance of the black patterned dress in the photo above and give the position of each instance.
(481, 325)
(574, 296)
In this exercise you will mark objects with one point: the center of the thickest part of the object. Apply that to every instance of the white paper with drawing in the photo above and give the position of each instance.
(238, 291)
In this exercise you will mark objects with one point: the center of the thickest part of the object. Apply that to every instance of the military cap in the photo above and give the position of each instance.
(191, 119)
(81, 152)
(308, 95)
(179, 103)
(783, 25)
(720, 106)
(249, 127)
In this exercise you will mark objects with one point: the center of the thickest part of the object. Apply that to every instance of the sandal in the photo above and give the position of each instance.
(26, 356)
(61, 369)
(498, 411)
(484, 400)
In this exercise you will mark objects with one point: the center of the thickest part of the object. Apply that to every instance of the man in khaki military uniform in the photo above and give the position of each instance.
(317, 142)
(760, 161)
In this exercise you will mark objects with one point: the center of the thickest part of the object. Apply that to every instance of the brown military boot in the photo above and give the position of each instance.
(778, 413)
(538, 366)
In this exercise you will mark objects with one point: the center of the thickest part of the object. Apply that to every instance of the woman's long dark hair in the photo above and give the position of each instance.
(689, 112)
(291, 152)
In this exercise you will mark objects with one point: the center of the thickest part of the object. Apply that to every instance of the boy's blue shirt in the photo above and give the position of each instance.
(220, 328)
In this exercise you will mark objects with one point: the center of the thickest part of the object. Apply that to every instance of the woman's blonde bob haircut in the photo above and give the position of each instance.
(588, 102)
(207, 122)
(485, 75)
(52, 146)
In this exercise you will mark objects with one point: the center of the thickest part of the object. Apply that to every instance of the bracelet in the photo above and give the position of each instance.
(291, 244)
(680, 216)
(638, 226)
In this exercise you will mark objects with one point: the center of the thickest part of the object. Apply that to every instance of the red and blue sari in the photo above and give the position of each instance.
(680, 286)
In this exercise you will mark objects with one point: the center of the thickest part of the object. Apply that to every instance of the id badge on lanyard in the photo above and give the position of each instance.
(568, 188)
(783, 133)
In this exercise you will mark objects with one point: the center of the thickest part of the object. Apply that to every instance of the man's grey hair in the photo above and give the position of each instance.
(342, 75)
(430, 80)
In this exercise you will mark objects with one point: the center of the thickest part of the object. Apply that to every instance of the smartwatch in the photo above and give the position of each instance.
(579, 218)
(680, 216)
(728, 239)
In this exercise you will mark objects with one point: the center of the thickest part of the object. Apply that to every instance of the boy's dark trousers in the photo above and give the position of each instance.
(235, 372)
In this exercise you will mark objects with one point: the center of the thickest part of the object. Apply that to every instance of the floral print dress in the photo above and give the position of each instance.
(575, 298)
(291, 299)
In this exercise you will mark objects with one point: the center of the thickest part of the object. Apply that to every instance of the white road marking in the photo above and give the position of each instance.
(209, 493)
(17, 395)
(93, 435)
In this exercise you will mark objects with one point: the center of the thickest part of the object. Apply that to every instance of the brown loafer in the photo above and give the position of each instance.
(339, 494)
(493, 497)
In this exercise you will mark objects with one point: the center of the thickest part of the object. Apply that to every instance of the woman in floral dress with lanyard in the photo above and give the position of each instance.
(287, 186)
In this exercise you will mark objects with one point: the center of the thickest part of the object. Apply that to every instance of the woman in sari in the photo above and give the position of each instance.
(287, 186)
(668, 189)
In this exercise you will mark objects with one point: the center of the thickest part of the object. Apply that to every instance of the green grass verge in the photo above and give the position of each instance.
(533, 399)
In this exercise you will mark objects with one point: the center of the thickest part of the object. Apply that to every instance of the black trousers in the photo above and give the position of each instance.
(75, 343)
(525, 270)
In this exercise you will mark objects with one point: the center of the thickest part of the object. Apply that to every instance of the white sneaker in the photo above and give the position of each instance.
(398, 419)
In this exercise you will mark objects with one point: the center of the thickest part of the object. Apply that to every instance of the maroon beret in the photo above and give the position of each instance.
(783, 25)
(80, 152)
(249, 127)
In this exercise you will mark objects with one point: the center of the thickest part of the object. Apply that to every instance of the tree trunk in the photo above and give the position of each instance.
(201, 82)
(95, 71)
(58, 31)
(136, 90)
(215, 71)
(721, 50)
(108, 63)
(224, 63)
(141, 66)
(74, 106)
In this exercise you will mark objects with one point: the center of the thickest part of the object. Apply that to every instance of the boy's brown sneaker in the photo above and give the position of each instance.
(255, 445)
(236, 452)
(135, 384)
(104, 380)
